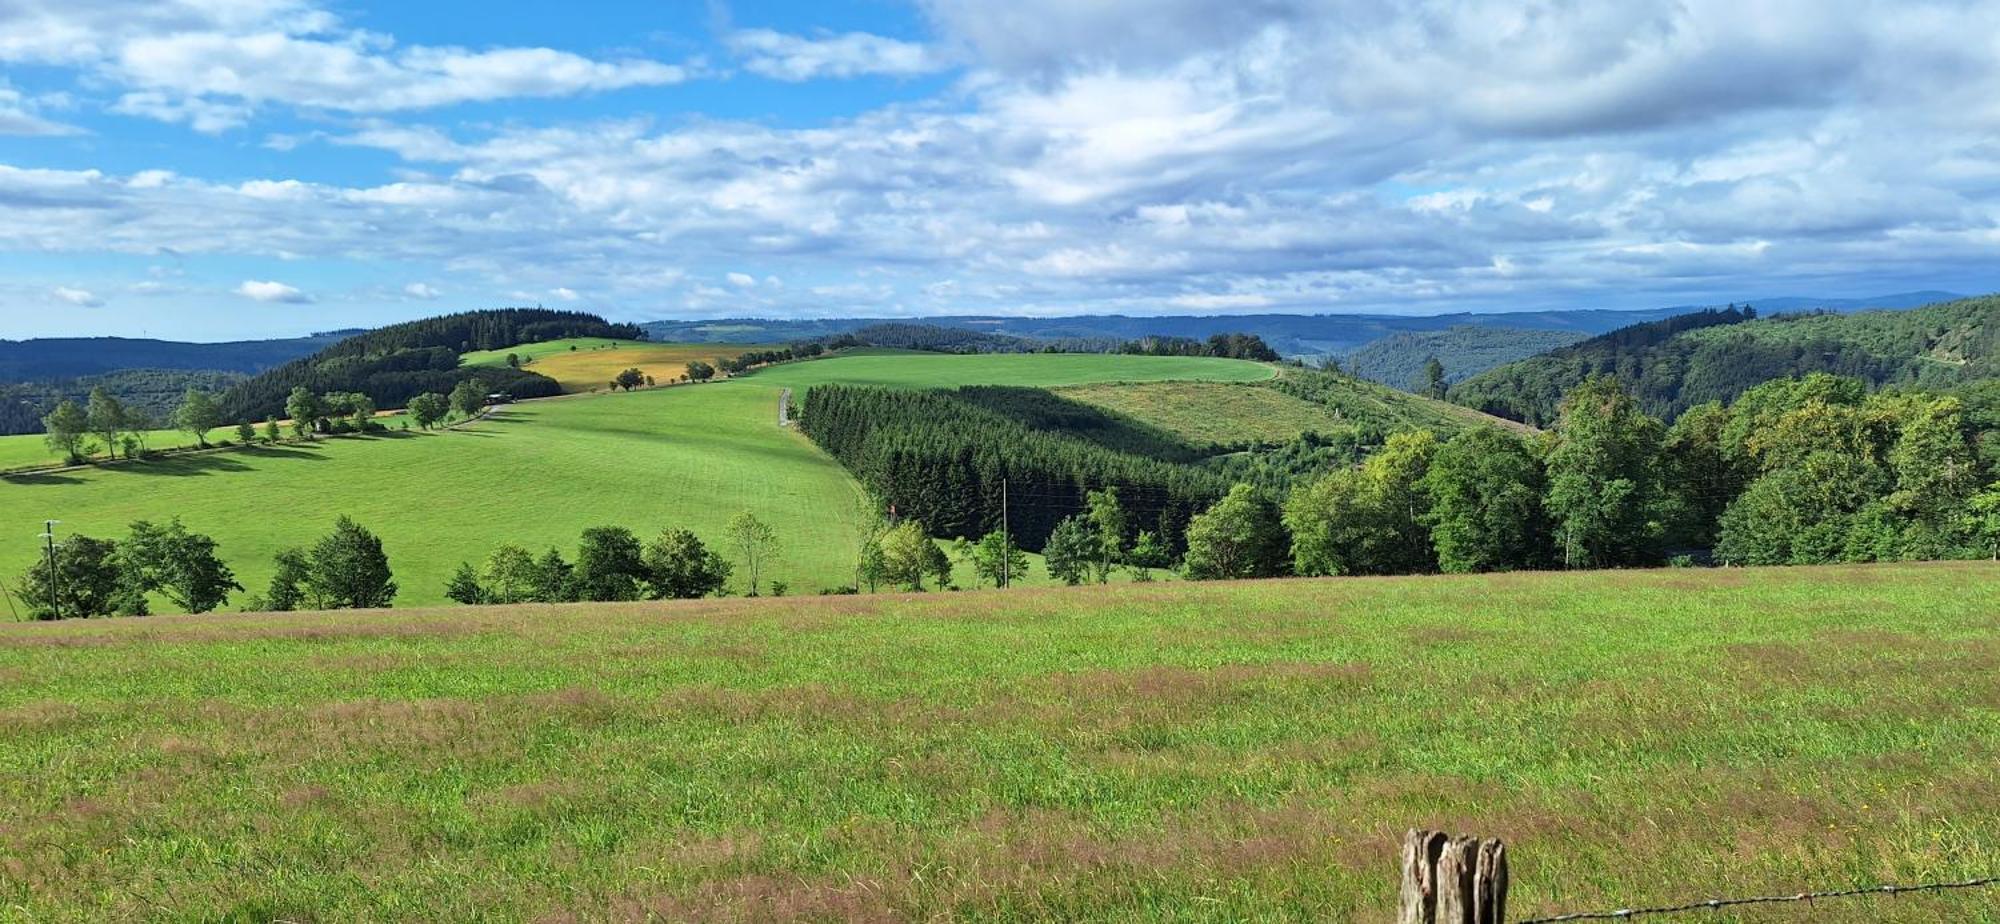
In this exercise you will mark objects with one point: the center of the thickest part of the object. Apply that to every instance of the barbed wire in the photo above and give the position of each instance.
(1717, 903)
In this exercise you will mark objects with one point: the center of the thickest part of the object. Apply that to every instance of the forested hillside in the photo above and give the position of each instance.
(1463, 351)
(940, 458)
(397, 363)
(154, 392)
(1673, 365)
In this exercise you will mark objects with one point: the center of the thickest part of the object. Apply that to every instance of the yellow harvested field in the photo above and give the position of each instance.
(595, 361)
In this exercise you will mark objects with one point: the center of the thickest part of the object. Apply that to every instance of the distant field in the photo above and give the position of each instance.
(1240, 752)
(1033, 370)
(1210, 413)
(596, 361)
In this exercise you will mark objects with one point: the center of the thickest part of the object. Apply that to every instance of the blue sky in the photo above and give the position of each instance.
(208, 169)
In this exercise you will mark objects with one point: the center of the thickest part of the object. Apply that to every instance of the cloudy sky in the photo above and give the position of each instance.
(214, 168)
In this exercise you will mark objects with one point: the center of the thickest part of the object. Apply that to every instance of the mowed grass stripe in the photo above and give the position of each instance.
(1177, 752)
(537, 474)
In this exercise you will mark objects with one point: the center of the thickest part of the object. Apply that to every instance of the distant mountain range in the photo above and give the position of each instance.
(70, 357)
(1290, 334)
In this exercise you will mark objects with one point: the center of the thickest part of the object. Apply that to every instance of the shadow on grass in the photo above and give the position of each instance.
(35, 478)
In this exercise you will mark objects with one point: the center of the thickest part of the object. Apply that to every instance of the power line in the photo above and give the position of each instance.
(1716, 903)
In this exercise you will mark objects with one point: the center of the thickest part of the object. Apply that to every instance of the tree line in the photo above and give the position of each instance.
(1796, 471)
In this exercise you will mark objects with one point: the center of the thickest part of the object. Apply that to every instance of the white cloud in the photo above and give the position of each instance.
(212, 65)
(565, 294)
(423, 291)
(21, 115)
(82, 298)
(272, 292)
(853, 54)
(742, 280)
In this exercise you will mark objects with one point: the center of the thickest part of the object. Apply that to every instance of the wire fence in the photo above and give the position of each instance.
(1714, 904)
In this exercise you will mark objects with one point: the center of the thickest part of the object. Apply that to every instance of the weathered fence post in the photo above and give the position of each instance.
(1452, 880)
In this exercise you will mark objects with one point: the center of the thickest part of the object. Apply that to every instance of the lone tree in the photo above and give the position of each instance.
(177, 564)
(246, 433)
(699, 371)
(428, 409)
(349, 570)
(197, 414)
(109, 421)
(908, 555)
(303, 407)
(679, 567)
(997, 560)
(468, 399)
(1071, 550)
(67, 426)
(1107, 526)
(756, 543)
(629, 379)
(1434, 378)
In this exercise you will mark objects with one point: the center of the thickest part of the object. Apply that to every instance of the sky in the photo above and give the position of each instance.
(223, 169)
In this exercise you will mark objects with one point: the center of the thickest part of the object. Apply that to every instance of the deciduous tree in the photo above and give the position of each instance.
(680, 567)
(756, 544)
(67, 427)
(198, 413)
(1239, 537)
(1071, 550)
(178, 564)
(1604, 479)
(349, 570)
(1485, 498)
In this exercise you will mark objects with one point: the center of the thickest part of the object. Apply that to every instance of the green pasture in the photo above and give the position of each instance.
(1177, 752)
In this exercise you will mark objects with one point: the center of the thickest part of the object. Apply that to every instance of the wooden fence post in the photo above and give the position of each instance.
(1452, 880)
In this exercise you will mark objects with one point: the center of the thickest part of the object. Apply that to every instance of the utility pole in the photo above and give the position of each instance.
(55, 597)
(1006, 538)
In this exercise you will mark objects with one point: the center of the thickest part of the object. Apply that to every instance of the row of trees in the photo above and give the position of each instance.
(1796, 471)
(612, 564)
(1229, 346)
(85, 577)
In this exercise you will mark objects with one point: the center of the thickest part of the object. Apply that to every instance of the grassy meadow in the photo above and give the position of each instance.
(536, 474)
(1032, 370)
(595, 361)
(1209, 413)
(1178, 752)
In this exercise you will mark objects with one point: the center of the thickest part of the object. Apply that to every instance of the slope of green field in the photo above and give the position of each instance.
(1181, 752)
(595, 361)
(537, 474)
(1209, 413)
(1029, 370)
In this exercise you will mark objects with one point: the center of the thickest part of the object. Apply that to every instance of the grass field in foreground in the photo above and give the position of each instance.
(596, 361)
(1033, 370)
(1176, 752)
(537, 474)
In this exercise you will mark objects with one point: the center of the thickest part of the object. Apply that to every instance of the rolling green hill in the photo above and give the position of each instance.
(1398, 360)
(1674, 365)
(536, 474)
(1198, 753)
